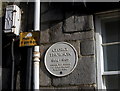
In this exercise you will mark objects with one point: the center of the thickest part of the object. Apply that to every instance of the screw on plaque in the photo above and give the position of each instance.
(60, 72)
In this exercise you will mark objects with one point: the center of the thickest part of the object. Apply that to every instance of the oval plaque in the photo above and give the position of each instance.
(61, 59)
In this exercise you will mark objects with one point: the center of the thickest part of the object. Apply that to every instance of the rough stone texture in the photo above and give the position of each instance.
(84, 73)
(69, 25)
(76, 45)
(73, 30)
(78, 23)
(69, 88)
(45, 77)
(79, 35)
(44, 36)
(88, 47)
(56, 33)
(43, 49)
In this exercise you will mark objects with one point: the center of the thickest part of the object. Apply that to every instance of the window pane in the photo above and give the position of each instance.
(111, 57)
(111, 30)
(112, 82)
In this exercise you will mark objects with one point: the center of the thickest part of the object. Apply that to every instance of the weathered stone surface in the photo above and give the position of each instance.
(43, 49)
(84, 73)
(88, 47)
(69, 24)
(56, 33)
(76, 44)
(78, 23)
(79, 35)
(44, 36)
(44, 75)
(69, 88)
(74, 30)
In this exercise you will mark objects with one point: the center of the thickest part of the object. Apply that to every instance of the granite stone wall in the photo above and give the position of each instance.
(77, 30)
(59, 25)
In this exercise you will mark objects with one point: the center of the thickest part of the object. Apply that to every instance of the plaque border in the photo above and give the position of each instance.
(76, 57)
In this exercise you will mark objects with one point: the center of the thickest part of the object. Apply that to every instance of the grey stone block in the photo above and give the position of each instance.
(56, 33)
(43, 49)
(79, 35)
(69, 24)
(76, 45)
(88, 47)
(44, 77)
(44, 36)
(78, 23)
(84, 73)
(66, 88)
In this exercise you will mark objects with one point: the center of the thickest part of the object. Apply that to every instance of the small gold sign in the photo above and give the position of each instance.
(29, 38)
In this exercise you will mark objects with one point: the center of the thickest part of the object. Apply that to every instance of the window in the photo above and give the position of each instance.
(108, 49)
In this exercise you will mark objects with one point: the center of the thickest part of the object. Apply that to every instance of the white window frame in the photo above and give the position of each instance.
(99, 49)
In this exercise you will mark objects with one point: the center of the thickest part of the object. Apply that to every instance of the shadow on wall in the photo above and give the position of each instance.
(53, 13)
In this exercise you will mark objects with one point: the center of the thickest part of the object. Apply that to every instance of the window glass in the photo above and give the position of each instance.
(111, 56)
(111, 30)
(108, 37)
(112, 82)
(111, 53)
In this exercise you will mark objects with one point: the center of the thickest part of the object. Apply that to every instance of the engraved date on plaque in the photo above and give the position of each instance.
(61, 59)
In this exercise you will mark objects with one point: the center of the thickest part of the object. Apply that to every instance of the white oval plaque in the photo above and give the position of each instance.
(61, 59)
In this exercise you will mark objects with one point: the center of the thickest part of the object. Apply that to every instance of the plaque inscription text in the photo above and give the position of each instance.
(61, 59)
